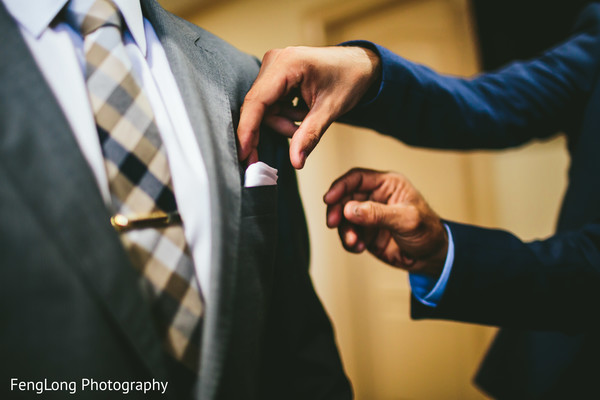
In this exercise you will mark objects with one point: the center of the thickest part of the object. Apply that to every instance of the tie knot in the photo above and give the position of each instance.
(100, 13)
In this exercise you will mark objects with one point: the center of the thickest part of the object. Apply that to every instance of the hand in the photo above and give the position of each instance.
(383, 213)
(312, 85)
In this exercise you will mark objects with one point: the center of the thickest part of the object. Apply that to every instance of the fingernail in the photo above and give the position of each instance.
(357, 210)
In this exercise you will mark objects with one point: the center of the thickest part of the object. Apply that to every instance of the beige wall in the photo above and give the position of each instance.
(387, 355)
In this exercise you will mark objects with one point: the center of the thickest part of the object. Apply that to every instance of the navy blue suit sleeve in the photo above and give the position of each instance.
(499, 280)
(505, 108)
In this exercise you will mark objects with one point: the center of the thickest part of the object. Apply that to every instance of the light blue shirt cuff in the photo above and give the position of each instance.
(427, 290)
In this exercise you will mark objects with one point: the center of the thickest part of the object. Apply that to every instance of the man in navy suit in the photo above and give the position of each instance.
(463, 272)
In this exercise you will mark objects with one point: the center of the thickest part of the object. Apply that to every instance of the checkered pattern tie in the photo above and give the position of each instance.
(139, 179)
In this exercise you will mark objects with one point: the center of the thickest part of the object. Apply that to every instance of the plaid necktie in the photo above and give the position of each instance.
(140, 181)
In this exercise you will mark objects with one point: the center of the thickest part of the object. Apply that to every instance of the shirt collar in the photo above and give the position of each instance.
(36, 15)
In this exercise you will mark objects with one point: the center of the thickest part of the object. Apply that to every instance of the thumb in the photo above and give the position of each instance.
(306, 138)
(400, 219)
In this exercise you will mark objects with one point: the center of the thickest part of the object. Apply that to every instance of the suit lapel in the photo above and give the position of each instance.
(197, 72)
(43, 161)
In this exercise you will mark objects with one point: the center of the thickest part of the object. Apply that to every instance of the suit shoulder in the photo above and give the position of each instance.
(589, 19)
(235, 56)
(239, 69)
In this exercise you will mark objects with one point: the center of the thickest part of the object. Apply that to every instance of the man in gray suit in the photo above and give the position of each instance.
(76, 317)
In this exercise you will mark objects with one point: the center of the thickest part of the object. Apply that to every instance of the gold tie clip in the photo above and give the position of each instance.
(157, 219)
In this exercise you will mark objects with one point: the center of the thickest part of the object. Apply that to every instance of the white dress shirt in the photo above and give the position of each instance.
(58, 51)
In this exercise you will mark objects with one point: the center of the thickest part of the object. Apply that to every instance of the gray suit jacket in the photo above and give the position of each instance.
(69, 304)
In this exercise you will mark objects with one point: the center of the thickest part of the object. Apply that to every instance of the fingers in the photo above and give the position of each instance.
(308, 135)
(283, 117)
(399, 218)
(384, 214)
(248, 134)
(422, 242)
(252, 113)
(353, 185)
(271, 85)
(388, 251)
(380, 243)
(280, 124)
(389, 223)
(252, 158)
(292, 108)
(352, 237)
(334, 216)
(330, 80)
(355, 180)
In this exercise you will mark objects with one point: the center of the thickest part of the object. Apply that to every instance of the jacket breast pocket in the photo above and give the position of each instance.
(258, 242)
(254, 281)
(259, 201)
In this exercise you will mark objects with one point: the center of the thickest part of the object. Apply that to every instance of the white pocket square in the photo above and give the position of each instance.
(260, 174)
